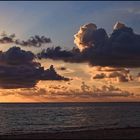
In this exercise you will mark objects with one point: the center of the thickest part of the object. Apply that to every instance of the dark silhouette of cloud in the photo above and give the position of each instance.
(18, 69)
(14, 83)
(55, 53)
(120, 49)
(7, 38)
(15, 56)
(36, 41)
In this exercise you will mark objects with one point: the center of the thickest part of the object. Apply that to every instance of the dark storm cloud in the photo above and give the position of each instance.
(36, 41)
(15, 56)
(120, 49)
(55, 53)
(18, 69)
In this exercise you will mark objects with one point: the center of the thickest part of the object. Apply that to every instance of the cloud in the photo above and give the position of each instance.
(99, 76)
(138, 77)
(55, 53)
(118, 74)
(36, 41)
(62, 68)
(27, 92)
(15, 56)
(7, 39)
(18, 69)
(110, 69)
(33, 92)
(121, 77)
(59, 92)
(86, 91)
(13, 82)
(84, 38)
(89, 36)
(120, 49)
(111, 91)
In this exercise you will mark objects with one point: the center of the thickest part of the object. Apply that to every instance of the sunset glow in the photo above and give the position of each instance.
(90, 64)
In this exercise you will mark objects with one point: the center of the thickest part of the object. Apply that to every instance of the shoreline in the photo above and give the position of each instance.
(113, 133)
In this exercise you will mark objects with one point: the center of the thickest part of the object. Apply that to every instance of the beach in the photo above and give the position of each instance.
(118, 133)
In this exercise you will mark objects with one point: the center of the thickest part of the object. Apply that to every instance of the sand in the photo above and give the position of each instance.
(122, 133)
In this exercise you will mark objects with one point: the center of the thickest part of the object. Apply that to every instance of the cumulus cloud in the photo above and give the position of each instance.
(118, 74)
(118, 25)
(89, 36)
(120, 49)
(36, 41)
(83, 38)
(19, 69)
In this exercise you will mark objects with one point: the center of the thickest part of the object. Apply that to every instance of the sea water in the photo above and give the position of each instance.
(22, 118)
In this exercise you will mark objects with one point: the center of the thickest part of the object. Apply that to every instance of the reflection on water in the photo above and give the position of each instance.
(52, 117)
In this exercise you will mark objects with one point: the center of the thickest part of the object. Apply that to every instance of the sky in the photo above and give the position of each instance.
(60, 21)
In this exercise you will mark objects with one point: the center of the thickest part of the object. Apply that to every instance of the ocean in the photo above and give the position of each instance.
(23, 118)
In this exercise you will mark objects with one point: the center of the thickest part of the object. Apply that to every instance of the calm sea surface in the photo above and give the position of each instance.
(54, 117)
